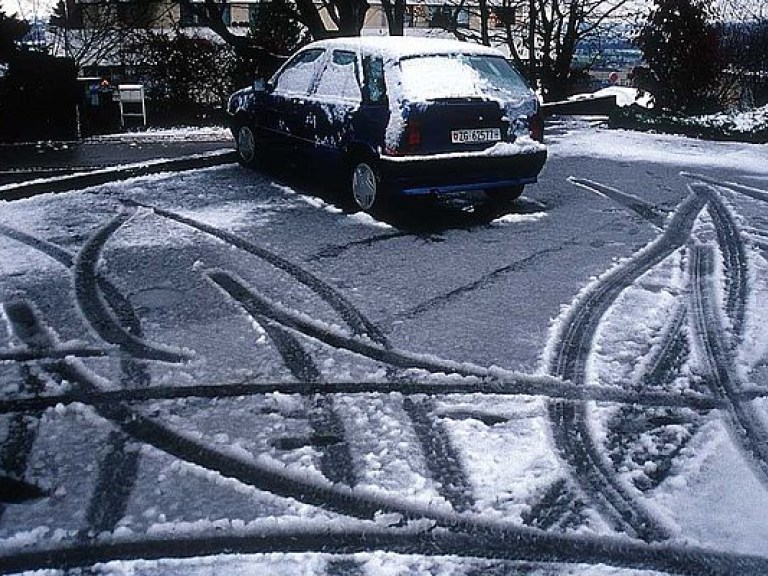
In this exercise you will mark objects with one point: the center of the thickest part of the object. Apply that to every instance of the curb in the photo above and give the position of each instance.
(96, 177)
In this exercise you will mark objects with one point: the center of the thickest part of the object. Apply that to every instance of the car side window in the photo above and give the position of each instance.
(340, 77)
(374, 87)
(297, 76)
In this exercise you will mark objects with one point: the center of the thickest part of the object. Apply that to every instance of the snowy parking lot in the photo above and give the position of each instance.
(221, 372)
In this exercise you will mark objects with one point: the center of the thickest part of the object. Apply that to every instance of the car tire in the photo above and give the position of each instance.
(505, 196)
(499, 201)
(247, 146)
(365, 185)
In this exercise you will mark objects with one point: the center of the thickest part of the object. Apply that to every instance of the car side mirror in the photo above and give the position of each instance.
(259, 85)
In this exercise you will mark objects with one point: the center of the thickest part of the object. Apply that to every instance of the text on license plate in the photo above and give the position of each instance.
(475, 135)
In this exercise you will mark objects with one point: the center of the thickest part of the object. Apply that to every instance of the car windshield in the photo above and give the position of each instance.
(460, 76)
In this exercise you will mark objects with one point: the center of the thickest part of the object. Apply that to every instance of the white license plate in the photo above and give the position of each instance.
(475, 135)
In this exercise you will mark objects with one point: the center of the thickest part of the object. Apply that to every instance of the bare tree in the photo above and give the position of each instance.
(556, 29)
(394, 10)
(91, 32)
(345, 16)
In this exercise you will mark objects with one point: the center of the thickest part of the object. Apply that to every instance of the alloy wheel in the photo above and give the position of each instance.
(246, 145)
(364, 186)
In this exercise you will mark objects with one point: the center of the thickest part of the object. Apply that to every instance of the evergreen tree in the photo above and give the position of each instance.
(275, 30)
(12, 31)
(681, 50)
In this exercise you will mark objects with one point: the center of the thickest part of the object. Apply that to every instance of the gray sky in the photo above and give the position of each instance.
(28, 8)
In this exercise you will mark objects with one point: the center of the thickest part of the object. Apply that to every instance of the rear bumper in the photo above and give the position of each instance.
(449, 174)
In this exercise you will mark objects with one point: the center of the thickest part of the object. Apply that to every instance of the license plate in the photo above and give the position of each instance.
(475, 135)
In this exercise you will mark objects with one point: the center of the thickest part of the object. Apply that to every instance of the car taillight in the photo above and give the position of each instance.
(412, 135)
(410, 140)
(536, 127)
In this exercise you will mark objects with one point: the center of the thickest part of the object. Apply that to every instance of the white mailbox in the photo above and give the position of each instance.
(132, 102)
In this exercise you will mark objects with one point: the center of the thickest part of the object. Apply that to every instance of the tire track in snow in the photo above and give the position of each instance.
(442, 459)
(258, 304)
(17, 447)
(743, 418)
(667, 355)
(447, 387)
(22, 432)
(96, 310)
(548, 550)
(559, 507)
(735, 263)
(115, 480)
(356, 321)
(140, 427)
(136, 373)
(755, 193)
(327, 430)
(645, 210)
(718, 344)
(477, 537)
(26, 355)
(751, 192)
(118, 469)
(570, 426)
(359, 324)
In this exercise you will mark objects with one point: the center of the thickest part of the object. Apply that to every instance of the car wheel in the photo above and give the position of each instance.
(366, 187)
(247, 151)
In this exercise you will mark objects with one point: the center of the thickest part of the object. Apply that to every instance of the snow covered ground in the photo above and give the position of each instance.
(220, 371)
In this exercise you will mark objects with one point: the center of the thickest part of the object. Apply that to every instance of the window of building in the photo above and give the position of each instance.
(188, 17)
(445, 16)
(253, 13)
(191, 18)
(501, 16)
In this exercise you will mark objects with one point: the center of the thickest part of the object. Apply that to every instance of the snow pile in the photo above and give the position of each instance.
(179, 134)
(629, 146)
(625, 96)
(736, 121)
(518, 218)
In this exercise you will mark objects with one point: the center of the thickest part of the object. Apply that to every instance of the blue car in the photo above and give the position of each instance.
(396, 116)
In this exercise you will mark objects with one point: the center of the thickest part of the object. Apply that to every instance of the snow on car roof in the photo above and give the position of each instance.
(395, 47)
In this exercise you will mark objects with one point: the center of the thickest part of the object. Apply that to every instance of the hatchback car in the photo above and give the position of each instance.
(394, 115)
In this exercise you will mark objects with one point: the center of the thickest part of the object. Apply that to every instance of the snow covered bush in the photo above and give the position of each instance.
(749, 126)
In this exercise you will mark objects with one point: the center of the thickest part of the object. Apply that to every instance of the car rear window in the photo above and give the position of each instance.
(460, 76)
